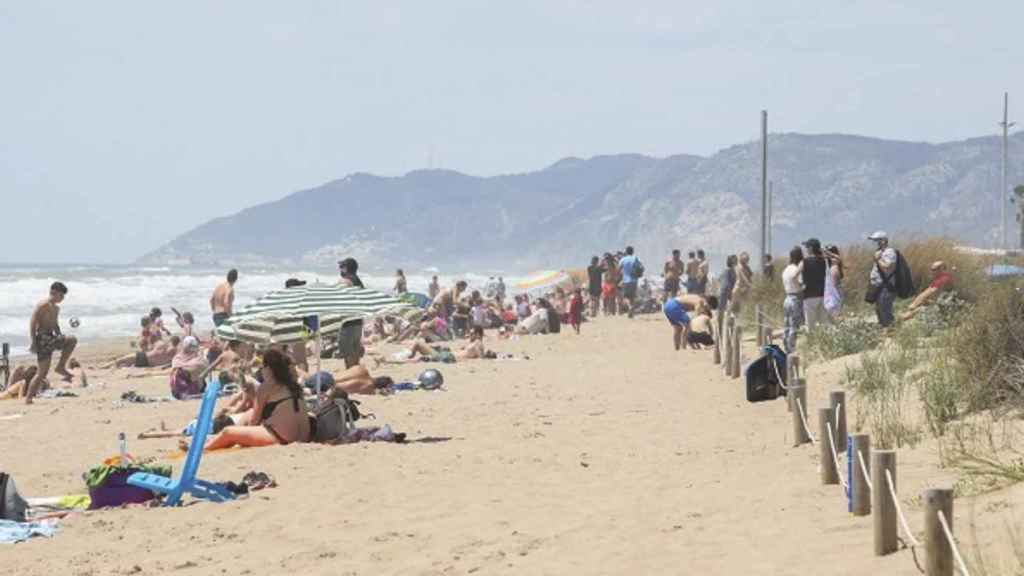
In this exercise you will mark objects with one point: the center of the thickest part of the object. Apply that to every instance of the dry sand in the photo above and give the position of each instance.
(606, 453)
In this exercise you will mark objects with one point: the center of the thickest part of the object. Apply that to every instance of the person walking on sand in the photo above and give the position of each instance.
(883, 278)
(792, 306)
(350, 335)
(814, 273)
(674, 269)
(223, 299)
(576, 310)
(744, 283)
(44, 333)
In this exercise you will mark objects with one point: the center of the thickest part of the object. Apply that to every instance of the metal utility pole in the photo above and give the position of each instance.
(771, 211)
(764, 184)
(1006, 124)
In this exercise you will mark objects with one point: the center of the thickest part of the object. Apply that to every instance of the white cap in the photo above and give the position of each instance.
(190, 342)
(879, 235)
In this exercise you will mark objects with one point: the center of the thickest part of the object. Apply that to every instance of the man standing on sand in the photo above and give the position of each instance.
(702, 272)
(44, 333)
(350, 335)
(814, 272)
(594, 273)
(692, 265)
(883, 278)
(433, 289)
(223, 298)
(629, 267)
(674, 269)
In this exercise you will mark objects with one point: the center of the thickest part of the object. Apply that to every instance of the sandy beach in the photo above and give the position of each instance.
(606, 453)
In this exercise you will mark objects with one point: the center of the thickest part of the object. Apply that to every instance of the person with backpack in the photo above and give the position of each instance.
(882, 289)
(632, 270)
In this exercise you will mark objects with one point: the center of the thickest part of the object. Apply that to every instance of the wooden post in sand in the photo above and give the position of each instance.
(829, 472)
(792, 375)
(766, 336)
(727, 337)
(938, 559)
(718, 337)
(737, 337)
(837, 401)
(860, 494)
(884, 508)
(799, 391)
(757, 323)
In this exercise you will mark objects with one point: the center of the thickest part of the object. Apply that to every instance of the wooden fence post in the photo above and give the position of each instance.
(938, 560)
(860, 494)
(757, 323)
(829, 473)
(837, 400)
(736, 349)
(884, 508)
(799, 392)
(727, 357)
(718, 337)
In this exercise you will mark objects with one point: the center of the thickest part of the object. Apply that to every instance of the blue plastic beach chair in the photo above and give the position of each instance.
(187, 482)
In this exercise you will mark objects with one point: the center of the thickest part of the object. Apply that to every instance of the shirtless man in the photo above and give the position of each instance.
(223, 298)
(700, 330)
(449, 297)
(673, 272)
(158, 356)
(702, 272)
(434, 289)
(692, 267)
(44, 332)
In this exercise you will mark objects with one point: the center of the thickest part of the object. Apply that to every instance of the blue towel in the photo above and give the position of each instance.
(12, 532)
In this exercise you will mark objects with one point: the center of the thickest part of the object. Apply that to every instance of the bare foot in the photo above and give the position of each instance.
(64, 374)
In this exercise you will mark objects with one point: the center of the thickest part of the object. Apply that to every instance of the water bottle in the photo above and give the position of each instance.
(122, 441)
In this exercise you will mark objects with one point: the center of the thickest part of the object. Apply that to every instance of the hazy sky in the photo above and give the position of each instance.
(123, 124)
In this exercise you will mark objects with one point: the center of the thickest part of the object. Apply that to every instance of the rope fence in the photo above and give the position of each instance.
(803, 418)
(899, 512)
(835, 459)
(952, 544)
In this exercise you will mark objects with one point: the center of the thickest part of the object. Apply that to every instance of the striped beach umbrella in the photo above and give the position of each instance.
(280, 317)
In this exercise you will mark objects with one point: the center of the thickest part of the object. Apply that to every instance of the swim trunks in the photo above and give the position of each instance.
(629, 290)
(702, 338)
(608, 290)
(47, 343)
(675, 313)
(220, 317)
(350, 341)
(141, 360)
(441, 355)
(672, 286)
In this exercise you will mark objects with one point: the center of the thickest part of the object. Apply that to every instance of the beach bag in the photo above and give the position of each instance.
(334, 420)
(904, 277)
(12, 505)
(182, 385)
(766, 375)
(833, 297)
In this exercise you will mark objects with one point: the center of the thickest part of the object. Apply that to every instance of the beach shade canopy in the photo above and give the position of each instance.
(284, 316)
(548, 280)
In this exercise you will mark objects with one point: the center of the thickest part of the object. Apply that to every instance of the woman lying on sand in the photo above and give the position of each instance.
(159, 356)
(22, 375)
(427, 353)
(279, 415)
(354, 380)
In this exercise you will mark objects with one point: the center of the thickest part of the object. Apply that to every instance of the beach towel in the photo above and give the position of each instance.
(13, 532)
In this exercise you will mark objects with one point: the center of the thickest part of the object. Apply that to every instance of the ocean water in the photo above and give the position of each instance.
(110, 300)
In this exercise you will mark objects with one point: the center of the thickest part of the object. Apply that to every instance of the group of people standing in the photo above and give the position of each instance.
(613, 282)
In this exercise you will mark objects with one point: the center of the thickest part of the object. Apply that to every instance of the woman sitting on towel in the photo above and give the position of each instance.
(279, 416)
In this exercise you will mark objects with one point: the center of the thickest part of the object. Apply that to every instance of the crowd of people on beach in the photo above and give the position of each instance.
(271, 384)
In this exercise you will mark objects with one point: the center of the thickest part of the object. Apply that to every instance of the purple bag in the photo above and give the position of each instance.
(182, 385)
(116, 491)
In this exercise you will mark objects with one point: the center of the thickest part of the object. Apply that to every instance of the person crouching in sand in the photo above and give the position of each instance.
(279, 415)
(680, 321)
(46, 338)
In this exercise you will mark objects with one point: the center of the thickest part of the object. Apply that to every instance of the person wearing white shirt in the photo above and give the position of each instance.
(792, 306)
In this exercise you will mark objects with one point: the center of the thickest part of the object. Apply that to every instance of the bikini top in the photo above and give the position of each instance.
(269, 407)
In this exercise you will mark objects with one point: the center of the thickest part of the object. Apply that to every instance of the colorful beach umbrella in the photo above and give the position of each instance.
(547, 280)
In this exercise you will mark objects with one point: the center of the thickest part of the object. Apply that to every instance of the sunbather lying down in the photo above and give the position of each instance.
(237, 412)
(420, 351)
(354, 380)
(22, 375)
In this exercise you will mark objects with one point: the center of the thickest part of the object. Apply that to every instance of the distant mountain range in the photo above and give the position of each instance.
(835, 187)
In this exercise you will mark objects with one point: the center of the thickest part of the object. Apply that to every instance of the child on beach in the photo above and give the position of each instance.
(576, 310)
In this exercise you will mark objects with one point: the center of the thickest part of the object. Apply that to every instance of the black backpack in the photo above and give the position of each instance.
(638, 269)
(766, 376)
(904, 277)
